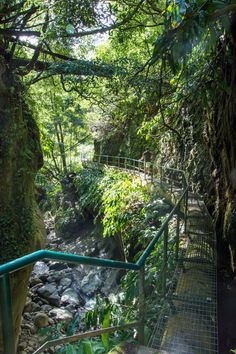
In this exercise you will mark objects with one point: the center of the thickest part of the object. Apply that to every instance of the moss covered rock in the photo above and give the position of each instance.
(21, 226)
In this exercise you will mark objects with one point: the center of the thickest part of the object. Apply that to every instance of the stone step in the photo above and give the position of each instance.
(128, 348)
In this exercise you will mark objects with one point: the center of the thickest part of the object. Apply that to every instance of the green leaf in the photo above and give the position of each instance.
(87, 347)
(105, 324)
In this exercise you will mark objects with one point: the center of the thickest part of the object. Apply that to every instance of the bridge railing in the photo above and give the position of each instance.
(29, 259)
(121, 162)
(165, 175)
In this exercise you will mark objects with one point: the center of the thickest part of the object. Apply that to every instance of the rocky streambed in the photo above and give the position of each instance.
(60, 292)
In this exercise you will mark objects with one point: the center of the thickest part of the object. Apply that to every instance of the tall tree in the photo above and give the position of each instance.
(38, 39)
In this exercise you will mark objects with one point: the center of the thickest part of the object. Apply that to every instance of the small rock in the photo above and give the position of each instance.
(28, 305)
(35, 307)
(46, 308)
(22, 345)
(54, 300)
(27, 316)
(44, 277)
(70, 296)
(91, 283)
(70, 308)
(41, 320)
(35, 287)
(40, 268)
(35, 281)
(30, 327)
(50, 321)
(47, 290)
(57, 266)
(61, 314)
(65, 282)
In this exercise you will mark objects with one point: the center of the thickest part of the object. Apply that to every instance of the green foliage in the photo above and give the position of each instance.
(123, 204)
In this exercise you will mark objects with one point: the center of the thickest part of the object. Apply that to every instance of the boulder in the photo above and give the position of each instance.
(47, 290)
(91, 283)
(41, 320)
(70, 296)
(40, 268)
(54, 300)
(61, 315)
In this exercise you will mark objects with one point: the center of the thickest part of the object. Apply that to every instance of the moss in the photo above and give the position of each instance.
(21, 229)
(16, 230)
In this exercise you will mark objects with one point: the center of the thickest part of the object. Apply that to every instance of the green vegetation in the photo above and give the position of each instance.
(118, 77)
(125, 207)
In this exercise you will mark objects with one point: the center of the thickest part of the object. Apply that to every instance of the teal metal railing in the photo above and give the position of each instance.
(29, 259)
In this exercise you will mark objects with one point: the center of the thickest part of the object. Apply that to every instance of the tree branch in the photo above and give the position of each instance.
(11, 32)
(105, 29)
(44, 51)
(79, 67)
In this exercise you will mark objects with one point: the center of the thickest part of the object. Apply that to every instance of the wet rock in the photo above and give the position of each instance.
(40, 268)
(46, 308)
(41, 320)
(71, 308)
(47, 290)
(27, 316)
(35, 287)
(43, 277)
(91, 283)
(57, 266)
(54, 300)
(110, 282)
(35, 281)
(70, 296)
(65, 282)
(35, 307)
(22, 345)
(30, 327)
(61, 315)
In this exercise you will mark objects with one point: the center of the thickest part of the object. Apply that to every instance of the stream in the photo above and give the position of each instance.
(60, 292)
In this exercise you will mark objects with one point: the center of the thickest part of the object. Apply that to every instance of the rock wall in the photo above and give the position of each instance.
(21, 227)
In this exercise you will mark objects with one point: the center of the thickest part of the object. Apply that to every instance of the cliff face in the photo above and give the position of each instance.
(21, 226)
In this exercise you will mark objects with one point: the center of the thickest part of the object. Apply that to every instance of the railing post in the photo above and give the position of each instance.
(125, 163)
(118, 161)
(107, 159)
(185, 212)
(165, 259)
(6, 315)
(141, 305)
(177, 235)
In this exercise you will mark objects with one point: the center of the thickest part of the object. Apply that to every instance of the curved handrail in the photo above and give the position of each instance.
(33, 257)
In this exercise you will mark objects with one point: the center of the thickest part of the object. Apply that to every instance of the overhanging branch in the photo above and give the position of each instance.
(79, 67)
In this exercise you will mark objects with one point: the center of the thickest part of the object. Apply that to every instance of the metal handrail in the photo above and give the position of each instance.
(89, 334)
(31, 258)
(24, 261)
